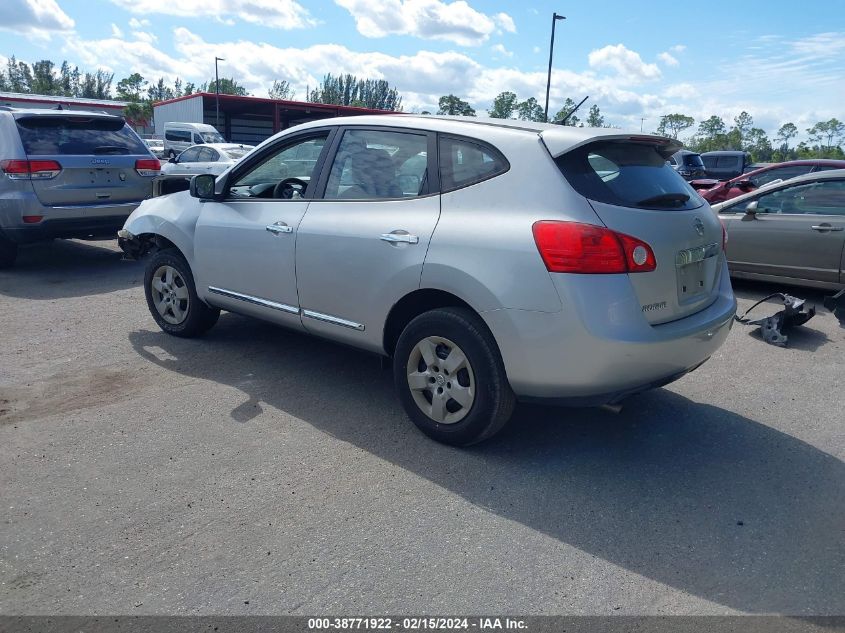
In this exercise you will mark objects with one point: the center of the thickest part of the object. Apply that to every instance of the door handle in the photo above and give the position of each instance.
(279, 227)
(399, 237)
(826, 227)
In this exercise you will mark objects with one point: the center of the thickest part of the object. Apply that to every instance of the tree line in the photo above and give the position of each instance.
(825, 138)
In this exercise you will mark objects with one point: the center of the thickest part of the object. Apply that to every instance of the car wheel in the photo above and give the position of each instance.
(450, 377)
(8, 253)
(172, 297)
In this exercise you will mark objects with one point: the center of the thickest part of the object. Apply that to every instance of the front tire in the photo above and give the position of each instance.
(450, 377)
(172, 296)
(8, 252)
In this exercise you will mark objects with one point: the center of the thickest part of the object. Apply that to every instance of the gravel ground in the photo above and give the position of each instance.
(258, 471)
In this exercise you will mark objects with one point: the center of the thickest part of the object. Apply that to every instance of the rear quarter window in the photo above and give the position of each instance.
(627, 175)
(464, 162)
(50, 136)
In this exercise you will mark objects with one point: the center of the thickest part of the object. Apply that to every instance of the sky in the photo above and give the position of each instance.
(635, 59)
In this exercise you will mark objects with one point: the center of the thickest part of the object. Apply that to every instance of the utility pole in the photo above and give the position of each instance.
(555, 18)
(642, 120)
(217, 93)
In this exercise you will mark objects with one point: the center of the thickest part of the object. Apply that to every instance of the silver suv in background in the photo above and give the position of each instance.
(491, 260)
(70, 174)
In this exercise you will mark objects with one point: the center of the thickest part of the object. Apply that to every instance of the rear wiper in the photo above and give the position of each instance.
(664, 200)
(111, 149)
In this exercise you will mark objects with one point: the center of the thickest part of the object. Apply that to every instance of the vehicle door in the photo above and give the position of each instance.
(792, 231)
(207, 162)
(185, 162)
(362, 243)
(245, 244)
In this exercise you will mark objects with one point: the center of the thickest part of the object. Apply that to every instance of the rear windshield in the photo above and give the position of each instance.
(693, 160)
(237, 152)
(628, 175)
(49, 136)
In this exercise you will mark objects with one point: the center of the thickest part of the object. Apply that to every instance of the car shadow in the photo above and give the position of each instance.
(61, 269)
(685, 493)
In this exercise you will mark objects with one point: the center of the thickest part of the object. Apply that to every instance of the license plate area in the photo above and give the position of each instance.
(695, 272)
(101, 176)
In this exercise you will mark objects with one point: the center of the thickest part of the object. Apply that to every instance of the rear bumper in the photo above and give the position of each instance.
(79, 221)
(599, 349)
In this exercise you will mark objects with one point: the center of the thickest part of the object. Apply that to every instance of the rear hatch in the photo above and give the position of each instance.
(97, 156)
(635, 192)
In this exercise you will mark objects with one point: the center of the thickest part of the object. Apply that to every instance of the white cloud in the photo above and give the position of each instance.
(35, 17)
(678, 48)
(115, 31)
(824, 45)
(505, 22)
(501, 50)
(536, 49)
(135, 23)
(280, 14)
(624, 61)
(667, 59)
(454, 21)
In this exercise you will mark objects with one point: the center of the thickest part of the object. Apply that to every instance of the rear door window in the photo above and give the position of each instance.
(628, 175)
(190, 155)
(180, 136)
(75, 135)
(464, 162)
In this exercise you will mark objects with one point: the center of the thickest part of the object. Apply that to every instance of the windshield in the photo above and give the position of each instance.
(693, 160)
(627, 174)
(212, 137)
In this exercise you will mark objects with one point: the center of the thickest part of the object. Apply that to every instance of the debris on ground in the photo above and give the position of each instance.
(774, 328)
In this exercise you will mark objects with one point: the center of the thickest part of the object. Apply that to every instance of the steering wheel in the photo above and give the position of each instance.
(285, 188)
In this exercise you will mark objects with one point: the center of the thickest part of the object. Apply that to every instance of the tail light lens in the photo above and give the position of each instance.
(572, 247)
(30, 169)
(32, 219)
(148, 167)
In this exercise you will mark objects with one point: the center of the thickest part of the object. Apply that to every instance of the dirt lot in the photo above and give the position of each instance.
(260, 471)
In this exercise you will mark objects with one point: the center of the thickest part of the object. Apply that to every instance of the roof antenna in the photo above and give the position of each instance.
(572, 111)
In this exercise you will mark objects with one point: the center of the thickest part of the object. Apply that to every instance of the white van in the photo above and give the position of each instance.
(180, 136)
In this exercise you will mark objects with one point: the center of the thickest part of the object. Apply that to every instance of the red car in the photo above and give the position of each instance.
(714, 191)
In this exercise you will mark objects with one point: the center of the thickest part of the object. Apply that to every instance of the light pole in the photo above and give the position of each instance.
(555, 18)
(217, 93)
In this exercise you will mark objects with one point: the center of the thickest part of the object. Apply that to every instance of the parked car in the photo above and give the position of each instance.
(714, 191)
(790, 232)
(68, 174)
(213, 158)
(156, 146)
(688, 164)
(726, 164)
(516, 260)
(180, 136)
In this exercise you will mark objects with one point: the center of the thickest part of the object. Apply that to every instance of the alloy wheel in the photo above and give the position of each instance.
(170, 294)
(441, 379)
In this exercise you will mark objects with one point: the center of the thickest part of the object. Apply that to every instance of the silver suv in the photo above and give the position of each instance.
(68, 174)
(491, 260)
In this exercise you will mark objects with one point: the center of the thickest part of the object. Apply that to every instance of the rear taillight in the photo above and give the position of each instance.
(30, 169)
(148, 167)
(572, 247)
(32, 219)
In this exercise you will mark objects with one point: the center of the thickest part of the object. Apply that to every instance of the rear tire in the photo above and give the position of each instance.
(172, 296)
(450, 377)
(8, 253)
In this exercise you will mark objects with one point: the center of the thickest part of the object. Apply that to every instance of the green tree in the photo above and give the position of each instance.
(503, 105)
(160, 91)
(450, 104)
(786, 132)
(595, 118)
(759, 145)
(827, 134)
(530, 110)
(743, 123)
(228, 86)
(350, 90)
(673, 124)
(131, 88)
(568, 106)
(44, 78)
(281, 90)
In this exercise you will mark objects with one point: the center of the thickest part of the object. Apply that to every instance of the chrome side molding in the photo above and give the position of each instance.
(266, 303)
(328, 318)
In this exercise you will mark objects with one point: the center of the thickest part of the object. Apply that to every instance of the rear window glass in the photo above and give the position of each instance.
(627, 175)
(48, 136)
(464, 163)
(693, 160)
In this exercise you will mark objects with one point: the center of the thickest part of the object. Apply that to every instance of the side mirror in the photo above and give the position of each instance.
(172, 159)
(751, 208)
(202, 186)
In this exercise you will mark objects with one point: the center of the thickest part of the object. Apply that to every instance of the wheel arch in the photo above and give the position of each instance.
(411, 306)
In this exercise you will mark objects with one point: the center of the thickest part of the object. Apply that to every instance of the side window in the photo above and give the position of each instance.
(197, 138)
(190, 155)
(377, 164)
(464, 163)
(295, 159)
(814, 198)
(206, 155)
(827, 167)
(781, 173)
(178, 135)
